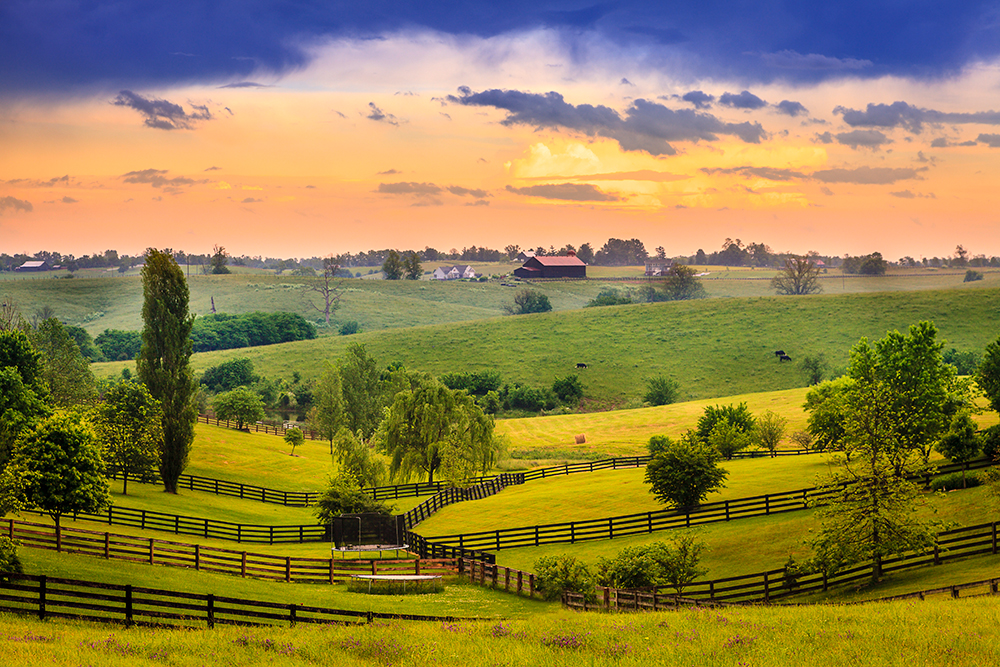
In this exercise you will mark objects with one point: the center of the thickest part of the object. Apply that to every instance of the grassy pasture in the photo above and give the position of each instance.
(938, 632)
(713, 347)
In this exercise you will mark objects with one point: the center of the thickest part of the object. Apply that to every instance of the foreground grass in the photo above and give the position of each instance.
(712, 347)
(938, 632)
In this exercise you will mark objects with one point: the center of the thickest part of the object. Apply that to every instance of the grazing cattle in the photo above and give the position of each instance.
(779, 353)
(581, 365)
(784, 357)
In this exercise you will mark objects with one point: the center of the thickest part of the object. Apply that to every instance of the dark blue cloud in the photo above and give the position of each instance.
(161, 114)
(60, 47)
(699, 99)
(790, 108)
(646, 126)
(744, 100)
(909, 117)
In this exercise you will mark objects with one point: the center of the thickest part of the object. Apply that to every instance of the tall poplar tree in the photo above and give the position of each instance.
(163, 360)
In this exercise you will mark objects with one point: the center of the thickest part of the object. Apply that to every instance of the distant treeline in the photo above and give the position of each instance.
(211, 332)
(615, 252)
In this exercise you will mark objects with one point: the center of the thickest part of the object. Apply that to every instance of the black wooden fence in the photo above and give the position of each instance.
(607, 528)
(52, 597)
(779, 584)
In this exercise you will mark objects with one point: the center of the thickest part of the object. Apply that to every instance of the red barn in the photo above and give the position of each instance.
(552, 267)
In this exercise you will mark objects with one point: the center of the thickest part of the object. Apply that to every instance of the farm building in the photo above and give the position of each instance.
(525, 255)
(552, 267)
(453, 272)
(34, 266)
(657, 267)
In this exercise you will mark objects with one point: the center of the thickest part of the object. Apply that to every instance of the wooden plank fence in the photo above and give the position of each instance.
(607, 528)
(212, 559)
(52, 597)
(779, 584)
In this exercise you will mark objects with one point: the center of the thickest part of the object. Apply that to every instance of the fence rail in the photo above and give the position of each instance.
(151, 551)
(779, 584)
(52, 597)
(607, 528)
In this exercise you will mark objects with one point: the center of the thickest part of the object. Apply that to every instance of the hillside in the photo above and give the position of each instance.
(713, 347)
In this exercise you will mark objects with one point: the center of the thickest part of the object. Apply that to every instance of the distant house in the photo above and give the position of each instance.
(525, 255)
(657, 267)
(570, 266)
(34, 266)
(453, 272)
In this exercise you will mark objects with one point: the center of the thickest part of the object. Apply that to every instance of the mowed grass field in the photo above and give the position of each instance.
(712, 347)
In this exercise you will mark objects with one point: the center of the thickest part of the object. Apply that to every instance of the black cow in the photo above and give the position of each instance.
(779, 353)
(784, 357)
(581, 365)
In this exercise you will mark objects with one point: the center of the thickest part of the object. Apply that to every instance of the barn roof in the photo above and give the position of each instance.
(559, 261)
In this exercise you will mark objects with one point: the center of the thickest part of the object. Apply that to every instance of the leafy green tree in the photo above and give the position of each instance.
(609, 296)
(739, 417)
(433, 428)
(672, 563)
(163, 361)
(241, 405)
(528, 301)
(961, 443)
(9, 560)
(768, 430)
(355, 458)
(294, 437)
(681, 284)
(871, 510)
(661, 390)
(798, 276)
(568, 390)
(683, 472)
(128, 424)
(118, 345)
(58, 468)
(66, 371)
(392, 267)
(825, 404)
(85, 342)
(988, 374)
(327, 416)
(814, 368)
(220, 260)
(727, 439)
(230, 374)
(360, 384)
(411, 266)
(343, 496)
(555, 575)
(23, 392)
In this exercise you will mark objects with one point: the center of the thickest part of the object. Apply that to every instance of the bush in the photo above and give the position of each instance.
(568, 389)
(609, 296)
(119, 345)
(953, 481)
(558, 574)
(9, 560)
(991, 442)
(528, 301)
(477, 383)
(972, 275)
(661, 390)
(228, 375)
(349, 328)
(673, 563)
(965, 363)
(737, 416)
(520, 397)
(343, 496)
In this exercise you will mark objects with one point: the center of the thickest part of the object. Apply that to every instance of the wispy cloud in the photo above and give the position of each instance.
(565, 192)
(158, 178)
(162, 114)
(911, 118)
(16, 204)
(380, 116)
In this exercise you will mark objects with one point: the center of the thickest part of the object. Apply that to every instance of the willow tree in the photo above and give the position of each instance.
(432, 428)
(163, 360)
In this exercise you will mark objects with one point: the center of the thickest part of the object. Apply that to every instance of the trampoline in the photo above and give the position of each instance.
(357, 533)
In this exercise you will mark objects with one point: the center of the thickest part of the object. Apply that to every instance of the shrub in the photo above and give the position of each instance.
(991, 442)
(520, 397)
(568, 389)
(558, 574)
(528, 301)
(965, 363)
(673, 563)
(349, 328)
(9, 560)
(609, 296)
(661, 390)
(737, 416)
(343, 496)
(953, 481)
(230, 374)
(477, 383)
(971, 276)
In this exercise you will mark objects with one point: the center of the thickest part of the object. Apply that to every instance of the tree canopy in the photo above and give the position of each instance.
(129, 423)
(798, 276)
(528, 301)
(241, 405)
(683, 472)
(988, 374)
(432, 428)
(65, 369)
(163, 361)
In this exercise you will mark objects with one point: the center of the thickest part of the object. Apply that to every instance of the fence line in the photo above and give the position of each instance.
(289, 569)
(52, 597)
(607, 528)
(773, 585)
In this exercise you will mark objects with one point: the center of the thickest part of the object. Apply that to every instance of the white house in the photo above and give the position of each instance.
(453, 272)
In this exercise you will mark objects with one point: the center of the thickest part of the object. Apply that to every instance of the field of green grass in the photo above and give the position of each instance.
(939, 632)
(712, 347)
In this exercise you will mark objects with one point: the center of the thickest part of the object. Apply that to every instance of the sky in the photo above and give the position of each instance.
(316, 127)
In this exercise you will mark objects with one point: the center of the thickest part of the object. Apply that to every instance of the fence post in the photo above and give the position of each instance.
(937, 554)
(128, 605)
(197, 557)
(331, 569)
(994, 537)
(211, 610)
(520, 582)
(243, 565)
(10, 530)
(611, 529)
(767, 593)
(107, 545)
(531, 585)
(41, 597)
(607, 598)
(58, 537)
(288, 569)
(291, 615)
(151, 551)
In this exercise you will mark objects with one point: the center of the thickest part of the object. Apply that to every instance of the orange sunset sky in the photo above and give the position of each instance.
(424, 136)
